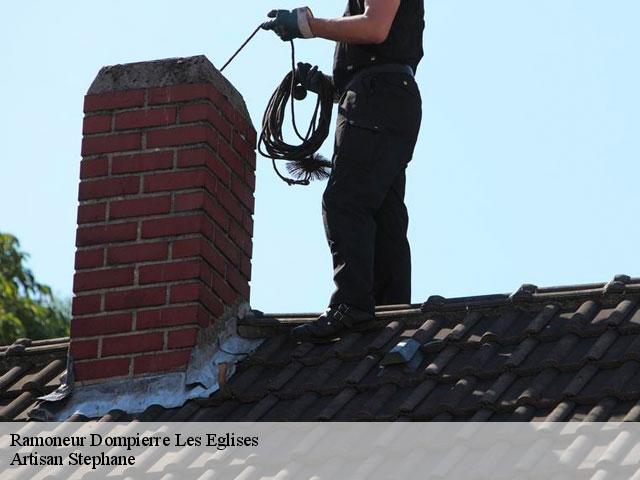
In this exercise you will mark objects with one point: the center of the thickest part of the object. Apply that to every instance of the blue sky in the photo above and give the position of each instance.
(527, 167)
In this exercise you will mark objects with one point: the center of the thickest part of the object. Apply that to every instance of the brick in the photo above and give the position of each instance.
(166, 272)
(221, 125)
(206, 112)
(246, 151)
(217, 213)
(111, 143)
(200, 201)
(184, 93)
(135, 297)
(98, 279)
(167, 317)
(196, 113)
(177, 136)
(145, 118)
(138, 343)
(251, 161)
(197, 157)
(188, 292)
(227, 294)
(229, 202)
(250, 179)
(242, 191)
(140, 252)
(193, 292)
(83, 349)
(94, 167)
(92, 213)
(193, 247)
(140, 207)
(189, 201)
(142, 162)
(247, 223)
(171, 226)
(227, 248)
(96, 124)
(208, 229)
(231, 158)
(164, 182)
(239, 284)
(240, 237)
(120, 232)
(189, 247)
(206, 318)
(211, 302)
(92, 370)
(182, 338)
(230, 112)
(245, 267)
(93, 258)
(101, 325)
(108, 187)
(161, 362)
(113, 100)
(246, 129)
(85, 304)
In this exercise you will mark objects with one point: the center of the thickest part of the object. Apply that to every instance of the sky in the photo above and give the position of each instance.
(526, 170)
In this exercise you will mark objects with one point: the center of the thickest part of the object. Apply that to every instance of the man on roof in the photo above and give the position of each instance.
(378, 48)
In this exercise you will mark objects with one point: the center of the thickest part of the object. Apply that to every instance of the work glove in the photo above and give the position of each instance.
(290, 24)
(309, 77)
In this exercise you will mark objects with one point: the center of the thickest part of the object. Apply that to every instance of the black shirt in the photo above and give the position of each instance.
(403, 45)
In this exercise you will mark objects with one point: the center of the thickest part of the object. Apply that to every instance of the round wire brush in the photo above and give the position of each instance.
(315, 167)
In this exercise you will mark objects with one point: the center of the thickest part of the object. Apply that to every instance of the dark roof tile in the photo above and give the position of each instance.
(631, 324)
(536, 386)
(576, 356)
(562, 353)
(337, 403)
(496, 388)
(562, 412)
(261, 408)
(623, 347)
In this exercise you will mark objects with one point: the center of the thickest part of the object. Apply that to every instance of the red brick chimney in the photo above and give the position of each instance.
(165, 216)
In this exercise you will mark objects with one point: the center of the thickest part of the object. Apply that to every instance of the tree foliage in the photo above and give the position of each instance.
(27, 308)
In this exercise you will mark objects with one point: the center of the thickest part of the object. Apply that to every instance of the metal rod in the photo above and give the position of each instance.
(241, 47)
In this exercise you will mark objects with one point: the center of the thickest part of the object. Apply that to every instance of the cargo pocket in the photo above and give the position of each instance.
(357, 142)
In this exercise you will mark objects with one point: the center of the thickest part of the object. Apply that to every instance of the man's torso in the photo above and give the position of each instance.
(402, 46)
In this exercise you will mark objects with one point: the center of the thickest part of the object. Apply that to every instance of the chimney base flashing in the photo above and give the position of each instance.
(170, 390)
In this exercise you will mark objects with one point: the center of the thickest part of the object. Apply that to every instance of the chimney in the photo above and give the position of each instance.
(165, 221)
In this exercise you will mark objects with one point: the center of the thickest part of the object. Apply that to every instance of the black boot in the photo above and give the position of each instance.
(333, 323)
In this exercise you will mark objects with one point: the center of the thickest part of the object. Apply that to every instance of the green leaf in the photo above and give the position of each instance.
(27, 308)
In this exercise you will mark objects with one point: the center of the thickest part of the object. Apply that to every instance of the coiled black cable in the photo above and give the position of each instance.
(304, 162)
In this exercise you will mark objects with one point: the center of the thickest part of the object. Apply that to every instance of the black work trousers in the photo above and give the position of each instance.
(364, 214)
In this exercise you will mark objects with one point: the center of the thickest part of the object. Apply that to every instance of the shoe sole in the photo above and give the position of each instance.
(358, 328)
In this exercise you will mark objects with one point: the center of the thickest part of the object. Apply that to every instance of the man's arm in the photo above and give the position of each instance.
(372, 26)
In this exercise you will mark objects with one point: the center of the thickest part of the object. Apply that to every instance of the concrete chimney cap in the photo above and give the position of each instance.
(164, 73)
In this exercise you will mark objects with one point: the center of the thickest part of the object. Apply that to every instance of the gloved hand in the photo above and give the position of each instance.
(290, 24)
(309, 77)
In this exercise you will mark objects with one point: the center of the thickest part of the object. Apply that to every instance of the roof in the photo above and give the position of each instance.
(29, 369)
(555, 354)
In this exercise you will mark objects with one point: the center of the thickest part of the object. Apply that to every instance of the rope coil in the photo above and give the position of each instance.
(304, 163)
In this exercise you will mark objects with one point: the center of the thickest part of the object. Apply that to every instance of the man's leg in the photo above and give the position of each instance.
(378, 123)
(348, 213)
(365, 168)
(392, 266)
